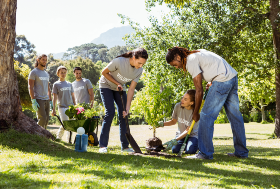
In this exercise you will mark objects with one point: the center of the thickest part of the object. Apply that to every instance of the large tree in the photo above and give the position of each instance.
(230, 18)
(11, 114)
(23, 48)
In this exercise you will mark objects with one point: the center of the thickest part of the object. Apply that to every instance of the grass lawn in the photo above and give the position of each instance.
(29, 161)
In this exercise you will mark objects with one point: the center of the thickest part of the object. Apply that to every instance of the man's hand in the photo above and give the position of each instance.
(208, 85)
(53, 112)
(196, 117)
(170, 144)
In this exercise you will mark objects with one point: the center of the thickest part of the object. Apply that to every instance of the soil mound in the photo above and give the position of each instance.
(153, 142)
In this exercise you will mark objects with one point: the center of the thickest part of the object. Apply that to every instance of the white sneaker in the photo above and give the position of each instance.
(103, 150)
(196, 156)
(128, 150)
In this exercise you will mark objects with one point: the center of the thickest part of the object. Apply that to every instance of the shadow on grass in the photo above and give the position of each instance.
(228, 138)
(110, 166)
(12, 180)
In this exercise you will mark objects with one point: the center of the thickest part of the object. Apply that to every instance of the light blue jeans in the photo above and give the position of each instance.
(221, 94)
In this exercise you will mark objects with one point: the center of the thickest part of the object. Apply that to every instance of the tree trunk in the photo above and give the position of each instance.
(10, 109)
(262, 110)
(274, 20)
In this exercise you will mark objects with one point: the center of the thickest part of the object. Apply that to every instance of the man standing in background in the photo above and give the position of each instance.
(83, 89)
(39, 90)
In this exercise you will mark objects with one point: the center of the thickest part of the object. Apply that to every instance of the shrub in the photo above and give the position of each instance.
(246, 118)
(256, 116)
(222, 117)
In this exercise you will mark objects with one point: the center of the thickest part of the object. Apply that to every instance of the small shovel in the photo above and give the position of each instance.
(129, 137)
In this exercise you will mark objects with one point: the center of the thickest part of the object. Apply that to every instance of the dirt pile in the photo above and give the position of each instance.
(153, 142)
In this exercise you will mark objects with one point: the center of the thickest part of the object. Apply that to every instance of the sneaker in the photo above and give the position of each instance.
(128, 150)
(196, 156)
(103, 150)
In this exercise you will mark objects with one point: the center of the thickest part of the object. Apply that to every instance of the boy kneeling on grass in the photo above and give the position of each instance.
(183, 113)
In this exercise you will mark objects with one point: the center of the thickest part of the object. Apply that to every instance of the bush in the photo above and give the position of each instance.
(53, 121)
(270, 116)
(222, 117)
(256, 116)
(30, 113)
(246, 118)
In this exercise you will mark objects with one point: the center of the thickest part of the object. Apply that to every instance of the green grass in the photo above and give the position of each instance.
(29, 161)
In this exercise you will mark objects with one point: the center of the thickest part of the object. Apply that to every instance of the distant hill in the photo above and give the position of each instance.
(113, 37)
(58, 55)
(110, 38)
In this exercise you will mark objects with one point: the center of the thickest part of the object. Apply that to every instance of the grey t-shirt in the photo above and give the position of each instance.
(81, 90)
(41, 81)
(63, 89)
(184, 118)
(121, 71)
(209, 65)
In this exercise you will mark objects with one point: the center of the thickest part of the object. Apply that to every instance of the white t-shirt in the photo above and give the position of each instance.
(121, 70)
(209, 65)
(184, 118)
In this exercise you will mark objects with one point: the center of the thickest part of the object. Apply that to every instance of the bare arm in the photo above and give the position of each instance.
(106, 74)
(198, 96)
(171, 122)
(91, 96)
(130, 94)
(54, 103)
(49, 92)
(184, 134)
(73, 98)
(31, 88)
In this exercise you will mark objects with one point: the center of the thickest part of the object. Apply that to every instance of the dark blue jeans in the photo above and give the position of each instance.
(109, 97)
(191, 147)
(221, 94)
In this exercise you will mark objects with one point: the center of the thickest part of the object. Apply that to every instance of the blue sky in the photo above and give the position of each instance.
(53, 26)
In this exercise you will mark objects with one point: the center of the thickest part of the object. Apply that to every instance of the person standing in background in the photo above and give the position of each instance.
(39, 90)
(83, 89)
(63, 92)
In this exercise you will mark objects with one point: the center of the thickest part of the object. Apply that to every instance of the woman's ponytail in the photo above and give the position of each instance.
(138, 53)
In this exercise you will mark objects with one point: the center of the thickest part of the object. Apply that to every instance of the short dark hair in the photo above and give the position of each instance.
(77, 68)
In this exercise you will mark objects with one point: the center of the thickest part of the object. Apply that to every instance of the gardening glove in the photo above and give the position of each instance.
(51, 105)
(160, 124)
(35, 105)
(170, 144)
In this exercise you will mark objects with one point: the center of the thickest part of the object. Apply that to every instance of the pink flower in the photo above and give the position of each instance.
(80, 110)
